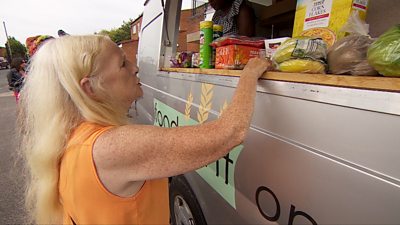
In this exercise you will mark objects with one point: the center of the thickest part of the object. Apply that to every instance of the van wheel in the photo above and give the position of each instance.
(185, 210)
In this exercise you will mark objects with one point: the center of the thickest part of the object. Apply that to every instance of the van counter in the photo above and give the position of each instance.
(349, 81)
(377, 94)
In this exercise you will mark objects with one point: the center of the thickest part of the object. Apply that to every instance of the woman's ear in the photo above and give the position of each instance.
(87, 87)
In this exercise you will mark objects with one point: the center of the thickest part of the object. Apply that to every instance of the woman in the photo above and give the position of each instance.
(16, 76)
(87, 164)
(236, 17)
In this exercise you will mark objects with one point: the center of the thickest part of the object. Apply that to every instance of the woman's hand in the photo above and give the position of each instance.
(256, 67)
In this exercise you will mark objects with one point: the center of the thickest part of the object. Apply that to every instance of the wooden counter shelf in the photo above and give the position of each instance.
(349, 81)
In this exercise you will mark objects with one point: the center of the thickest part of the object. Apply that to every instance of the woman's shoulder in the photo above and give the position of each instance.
(86, 131)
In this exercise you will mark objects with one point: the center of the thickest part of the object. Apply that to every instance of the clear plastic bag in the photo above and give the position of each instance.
(301, 55)
(349, 54)
(301, 48)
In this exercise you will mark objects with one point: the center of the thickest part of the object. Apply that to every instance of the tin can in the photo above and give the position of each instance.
(217, 33)
(206, 37)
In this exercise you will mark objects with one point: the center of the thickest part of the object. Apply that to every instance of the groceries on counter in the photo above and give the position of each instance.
(233, 52)
(217, 33)
(206, 37)
(325, 33)
(384, 53)
(271, 45)
(257, 42)
(182, 60)
(195, 60)
(235, 56)
(302, 65)
(349, 54)
(309, 55)
(331, 14)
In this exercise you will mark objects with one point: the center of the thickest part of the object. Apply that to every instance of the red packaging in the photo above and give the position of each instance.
(234, 56)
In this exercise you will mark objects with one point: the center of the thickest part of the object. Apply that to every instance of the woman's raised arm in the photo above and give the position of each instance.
(142, 152)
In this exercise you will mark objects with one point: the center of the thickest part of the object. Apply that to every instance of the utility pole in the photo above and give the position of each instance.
(8, 43)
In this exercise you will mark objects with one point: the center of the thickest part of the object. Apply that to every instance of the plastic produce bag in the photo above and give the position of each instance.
(300, 48)
(384, 53)
(301, 55)
(302, 66)
(182, 60)
(349, 54)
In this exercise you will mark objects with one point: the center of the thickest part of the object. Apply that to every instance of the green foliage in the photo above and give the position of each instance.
(119, 34)
(17, 49)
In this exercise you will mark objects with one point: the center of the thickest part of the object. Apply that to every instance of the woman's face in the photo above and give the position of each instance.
(119, 75)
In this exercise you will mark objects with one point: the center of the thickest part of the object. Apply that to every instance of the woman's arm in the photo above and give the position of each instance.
(246, 20)
(142, 152)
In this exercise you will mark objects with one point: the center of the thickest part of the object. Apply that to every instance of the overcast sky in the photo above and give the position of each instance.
(25, 18)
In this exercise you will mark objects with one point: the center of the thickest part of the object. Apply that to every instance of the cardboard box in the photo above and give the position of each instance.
(271, 45)
(332, 14)
(234, 56)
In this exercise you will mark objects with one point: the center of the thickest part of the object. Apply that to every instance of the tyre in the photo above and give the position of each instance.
(185, 209)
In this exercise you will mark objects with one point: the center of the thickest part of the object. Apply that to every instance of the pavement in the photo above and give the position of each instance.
(11, 180)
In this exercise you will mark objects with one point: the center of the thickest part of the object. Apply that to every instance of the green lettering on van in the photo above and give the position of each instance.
(219, 174)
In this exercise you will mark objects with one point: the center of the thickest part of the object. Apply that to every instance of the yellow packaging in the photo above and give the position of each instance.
(332, 14)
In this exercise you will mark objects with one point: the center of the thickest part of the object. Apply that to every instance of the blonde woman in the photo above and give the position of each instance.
(87, 165)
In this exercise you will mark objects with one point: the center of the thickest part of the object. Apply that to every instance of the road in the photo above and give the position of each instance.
(11, 181)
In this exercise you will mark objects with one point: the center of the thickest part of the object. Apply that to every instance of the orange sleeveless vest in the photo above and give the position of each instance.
(86, 201)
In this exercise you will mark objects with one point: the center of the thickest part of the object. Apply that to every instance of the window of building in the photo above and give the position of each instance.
(134, 29)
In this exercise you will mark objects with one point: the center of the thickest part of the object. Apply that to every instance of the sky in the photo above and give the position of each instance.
(25, 18)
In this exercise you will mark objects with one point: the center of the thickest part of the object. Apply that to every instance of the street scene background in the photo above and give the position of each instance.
(11, 180)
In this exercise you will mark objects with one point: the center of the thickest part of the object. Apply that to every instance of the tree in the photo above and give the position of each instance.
(119, 34)
(17, 49)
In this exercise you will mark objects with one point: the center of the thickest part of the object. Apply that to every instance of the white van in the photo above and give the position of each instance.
(322, 149)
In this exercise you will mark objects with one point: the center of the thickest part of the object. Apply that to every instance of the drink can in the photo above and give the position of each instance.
(206, 37)
(217, 33)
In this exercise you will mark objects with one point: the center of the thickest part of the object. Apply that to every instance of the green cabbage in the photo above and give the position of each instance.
(384, 53)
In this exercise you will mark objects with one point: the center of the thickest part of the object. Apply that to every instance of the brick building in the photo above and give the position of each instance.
(130, 47)
(3, 52)
(189, 27)
(189, 34)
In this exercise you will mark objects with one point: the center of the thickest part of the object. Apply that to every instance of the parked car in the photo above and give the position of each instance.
(4, 63)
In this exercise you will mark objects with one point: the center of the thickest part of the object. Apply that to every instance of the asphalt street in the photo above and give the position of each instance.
(11, 179)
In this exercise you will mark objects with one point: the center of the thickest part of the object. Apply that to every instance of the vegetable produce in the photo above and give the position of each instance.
(301, 55)
(349, 56)
(384, 53)
(301, 47)
(302, 66)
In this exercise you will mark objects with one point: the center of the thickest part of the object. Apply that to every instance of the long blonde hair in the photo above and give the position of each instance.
(52, 105)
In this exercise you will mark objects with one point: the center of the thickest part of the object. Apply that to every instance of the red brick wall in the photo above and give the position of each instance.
(189, 24)
(130, 48)
(138, 25)
(3, 52)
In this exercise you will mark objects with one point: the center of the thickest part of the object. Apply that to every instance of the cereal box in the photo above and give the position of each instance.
(331, 14)
(234, 56)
